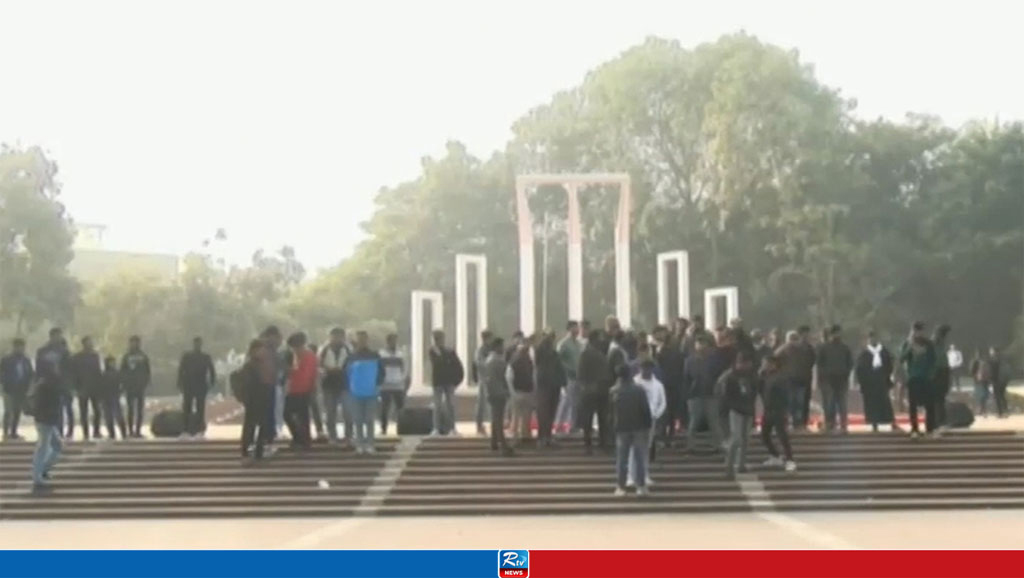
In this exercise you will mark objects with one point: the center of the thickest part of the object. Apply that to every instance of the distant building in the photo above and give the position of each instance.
(93, 262)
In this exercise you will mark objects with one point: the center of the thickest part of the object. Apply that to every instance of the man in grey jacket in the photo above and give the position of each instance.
(494, 386)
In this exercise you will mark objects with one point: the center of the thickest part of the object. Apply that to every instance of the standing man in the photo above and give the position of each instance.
(874, 374)
(669, 358)
(196, 375)
(301, 385)
(496, 388)
(1000, 379)
(332, 362)
(15, 376)
(523, 374)
(569, 349)
(364, 373)
(57, 358)
(919, 357)
(739, 395)
(136, 374)
(699, 376)
(111, 396)
(447, 373)
(632, 428)
(595, 381)
(655, 393)
(799, 357)
(943, 374)
(396, 381)
(835, 362)
(87, 369)
(955, 359)
(551, 380)
(259, 377)
(478, 365)
(774, 391)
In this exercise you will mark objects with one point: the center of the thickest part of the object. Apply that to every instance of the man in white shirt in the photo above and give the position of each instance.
(656, 398)
(956, 362)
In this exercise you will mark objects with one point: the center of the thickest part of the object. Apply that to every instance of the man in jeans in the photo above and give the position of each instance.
(479, 360)
(447, 373)
(494, 385)
(364, 373)
(738, 388)
(16, 376)
(835, 362)
(332, 360)
(396, 381)
(699, 386)
(632, 430)
(46, 409)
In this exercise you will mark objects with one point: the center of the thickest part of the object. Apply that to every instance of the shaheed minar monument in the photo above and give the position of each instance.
(573, 184)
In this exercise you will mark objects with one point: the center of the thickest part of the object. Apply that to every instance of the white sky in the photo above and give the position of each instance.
(280, 120)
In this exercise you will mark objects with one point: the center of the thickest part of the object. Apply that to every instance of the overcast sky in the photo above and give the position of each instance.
(278, 121)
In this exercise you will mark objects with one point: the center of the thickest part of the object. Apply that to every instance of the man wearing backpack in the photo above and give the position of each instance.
(447, 373)
(16, 375)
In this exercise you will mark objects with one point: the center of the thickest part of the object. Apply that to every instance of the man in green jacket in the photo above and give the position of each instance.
(918, 354)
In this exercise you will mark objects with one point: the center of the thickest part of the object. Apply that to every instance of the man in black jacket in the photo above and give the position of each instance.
(196, 374)
(87, 369)
(16, 375)
(55, 356)
(550, 381)
(670, 360)
(447, 373)
(135, 377)
(699, 375)
(835, 362)
(595, 381)
(739, 387)
(46, 405)
(632, 428)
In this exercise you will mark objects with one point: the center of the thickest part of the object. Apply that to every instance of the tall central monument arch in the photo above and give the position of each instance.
(572, 183)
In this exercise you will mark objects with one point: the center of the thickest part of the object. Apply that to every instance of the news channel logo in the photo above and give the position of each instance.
(513, 563)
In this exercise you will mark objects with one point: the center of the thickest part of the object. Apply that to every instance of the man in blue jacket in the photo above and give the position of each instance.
(15, 376)
(364, 373)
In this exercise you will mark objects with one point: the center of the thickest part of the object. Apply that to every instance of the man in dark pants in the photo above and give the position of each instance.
(136, 374)
(595, 381)
(16, 376)
(196, 374)
(550, 382)
(260, 377)
(801, 357)
(919, 356)
(87, 369)
(774, 388)
(670, 360)
(943, 378)
(494, 385)
(56, 356)
(835, 362)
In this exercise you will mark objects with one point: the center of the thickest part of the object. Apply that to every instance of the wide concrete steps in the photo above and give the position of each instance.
(181, 479)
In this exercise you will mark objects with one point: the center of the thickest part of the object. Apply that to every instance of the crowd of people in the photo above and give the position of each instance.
(622, 388)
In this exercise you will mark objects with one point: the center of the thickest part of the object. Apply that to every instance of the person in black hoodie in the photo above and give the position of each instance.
(550, 381)
(111, 398)
(447, 372)
(835, 362)
(57, 358)
(595, 381)
(16, 375)
(45, 401)
(774, 388)
(632, 428)
(738, 387)
(196, 375)
(135, 377)
(699, 385)
(88, 379)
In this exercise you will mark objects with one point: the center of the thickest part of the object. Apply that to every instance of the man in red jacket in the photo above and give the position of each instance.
(301, 384)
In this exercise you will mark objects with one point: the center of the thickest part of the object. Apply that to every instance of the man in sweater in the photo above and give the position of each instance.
(196, 375)
(569, 349)
(87, 369)
(738, 387)
(301, 384)
(919, 357)
(632, 429)
(332, 360)
(835, 362)
(594, 380)
(396, 380)
(364, 373)
(494, 385)
(16, 375)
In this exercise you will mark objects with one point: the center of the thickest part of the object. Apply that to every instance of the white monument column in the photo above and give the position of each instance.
(436, 300)
(462, 265)
(527, 304)
(731, 295)
(575, 257)
(623, 288)
(682, 260)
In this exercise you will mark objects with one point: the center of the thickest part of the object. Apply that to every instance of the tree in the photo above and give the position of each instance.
(36, 237)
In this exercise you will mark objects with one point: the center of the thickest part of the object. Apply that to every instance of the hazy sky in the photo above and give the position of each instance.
(280, 120)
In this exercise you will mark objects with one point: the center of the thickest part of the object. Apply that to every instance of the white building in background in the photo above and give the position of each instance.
(93, 261)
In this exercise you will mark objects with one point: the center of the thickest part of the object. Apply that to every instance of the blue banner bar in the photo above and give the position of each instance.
(250, 564)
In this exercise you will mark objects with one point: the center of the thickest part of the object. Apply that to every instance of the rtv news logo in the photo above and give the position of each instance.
(513, 563)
